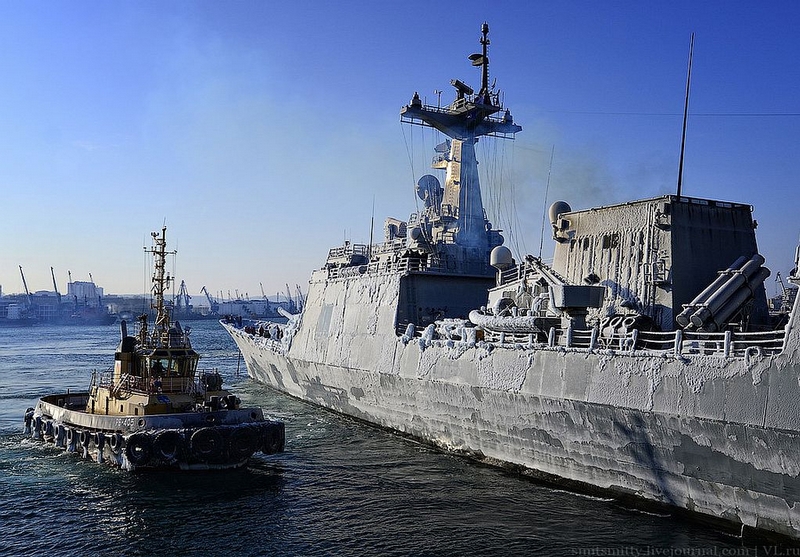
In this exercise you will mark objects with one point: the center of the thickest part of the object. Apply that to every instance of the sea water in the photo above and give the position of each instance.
(341, 488)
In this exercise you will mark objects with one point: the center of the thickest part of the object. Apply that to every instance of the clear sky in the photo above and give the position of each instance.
(263, 132)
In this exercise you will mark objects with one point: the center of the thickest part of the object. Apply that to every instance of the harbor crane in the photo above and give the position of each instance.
(25, 285)
(182, 300)
(55, 286)
(264, 294)
(212, 304)
(290, 300)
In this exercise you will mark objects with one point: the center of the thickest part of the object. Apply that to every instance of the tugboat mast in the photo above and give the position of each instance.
(161, 282)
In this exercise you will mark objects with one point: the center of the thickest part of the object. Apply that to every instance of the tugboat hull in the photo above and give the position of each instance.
(188, 441)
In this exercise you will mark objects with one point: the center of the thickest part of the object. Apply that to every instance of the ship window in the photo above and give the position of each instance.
(610, 241)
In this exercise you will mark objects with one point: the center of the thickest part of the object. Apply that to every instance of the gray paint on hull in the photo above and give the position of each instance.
(662, 457)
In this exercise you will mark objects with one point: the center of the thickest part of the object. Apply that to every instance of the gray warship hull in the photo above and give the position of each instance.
(713, 434)
(636, 363)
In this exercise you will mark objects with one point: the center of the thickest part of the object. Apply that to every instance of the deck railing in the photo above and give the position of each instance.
(404, 265)
(726, 344)
(137, 384)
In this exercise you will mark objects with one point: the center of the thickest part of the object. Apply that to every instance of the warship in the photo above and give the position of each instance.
(641, 362)
(155, 409)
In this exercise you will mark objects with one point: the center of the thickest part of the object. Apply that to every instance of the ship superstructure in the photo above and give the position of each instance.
(641, 362)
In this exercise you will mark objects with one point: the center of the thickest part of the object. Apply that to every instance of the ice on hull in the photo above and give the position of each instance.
(712, 435)
(576, 370)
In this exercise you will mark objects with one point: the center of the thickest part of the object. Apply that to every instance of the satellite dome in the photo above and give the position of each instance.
(501, 258)
(558, 208)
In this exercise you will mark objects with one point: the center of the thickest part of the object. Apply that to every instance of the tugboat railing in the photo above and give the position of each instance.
(138, 384)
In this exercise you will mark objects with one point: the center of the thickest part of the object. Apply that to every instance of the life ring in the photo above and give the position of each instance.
(115, 442)
(243, 442)
(139, 448)
(168, 445)
(207, 444)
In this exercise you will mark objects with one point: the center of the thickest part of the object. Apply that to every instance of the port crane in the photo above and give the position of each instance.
(55, 286)
(212, 304)
(25, 285)
(289, 299)
(182, 300)
(264, 295)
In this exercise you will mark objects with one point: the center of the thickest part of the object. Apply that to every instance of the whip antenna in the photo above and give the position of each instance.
(685, 114)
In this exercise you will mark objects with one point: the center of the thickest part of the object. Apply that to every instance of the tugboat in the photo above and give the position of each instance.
(154, 410)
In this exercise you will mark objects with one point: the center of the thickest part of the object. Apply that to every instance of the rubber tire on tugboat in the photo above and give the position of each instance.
(84, 438)
(274, 439)
(139, 448)
(115, 442)
(28, 418)
(207, 444)
(59, 435)
(243, 442)
(168, 445)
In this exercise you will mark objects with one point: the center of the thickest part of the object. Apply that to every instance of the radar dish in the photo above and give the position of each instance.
(478, 59)
(429, 189)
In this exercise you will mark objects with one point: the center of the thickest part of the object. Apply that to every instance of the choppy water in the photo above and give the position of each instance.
(341, 488)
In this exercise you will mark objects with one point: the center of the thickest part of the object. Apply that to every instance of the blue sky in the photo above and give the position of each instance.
(262, 133)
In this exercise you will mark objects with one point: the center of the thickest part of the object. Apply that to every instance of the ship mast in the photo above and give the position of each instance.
(161, 282)
(469, 117)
